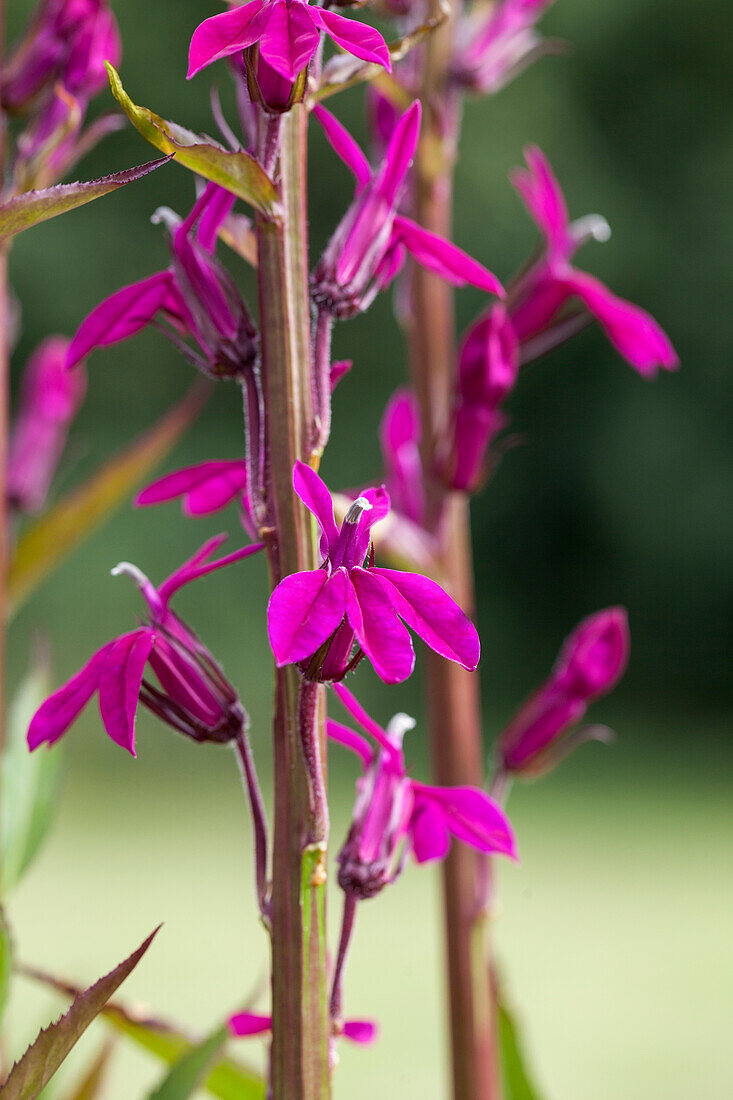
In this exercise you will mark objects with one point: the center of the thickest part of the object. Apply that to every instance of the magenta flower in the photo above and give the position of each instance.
(496, 44)
(204, 489)
(315, 617)
(370, 244)
(193, 697)
(195, 296)
(287, 33)
(399, 436)
(394, 814)
(590, 664)
(243, 1025)
(49, 400)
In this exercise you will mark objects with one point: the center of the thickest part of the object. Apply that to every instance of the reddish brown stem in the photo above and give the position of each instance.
(5, 534)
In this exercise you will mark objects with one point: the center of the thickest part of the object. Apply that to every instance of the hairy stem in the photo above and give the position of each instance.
(5, 533)
(453, 695)
(299, 1006)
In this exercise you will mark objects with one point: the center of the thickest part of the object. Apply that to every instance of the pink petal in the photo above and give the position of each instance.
(544, 200)
(400, 422)
(121, 315)
(120, 678)
(429, 832)
(378, 498)
(398, 158)
(249, 1023)
(290, 38)
(632, 331)
(225, 34)
(304, 610)
(378, 630)
(342, 735)
(361, 1031)
(212, 212)
(313, 492)
(432, 614)
(344, 146)
(356, 38)
(356, 710)
(198, 567)
(339, 369)
(55, 715)
(445, 259)
(205, 488)
(471, 816)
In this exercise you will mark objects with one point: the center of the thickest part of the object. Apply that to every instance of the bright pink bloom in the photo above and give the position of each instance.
(496, 44)
(204, 489)
(195, 295)
(399, 436)
(194, 697)
(245, 1024)
(315, 617)
(369, 246)
(49, 400)
(394, 814)
(287, 32)
(590, 664)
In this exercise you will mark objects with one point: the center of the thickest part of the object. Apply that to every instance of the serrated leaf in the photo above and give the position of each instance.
(33, 207)
(238, 172)
(188, 1072)
(29, 782)
(57, 533)
(229, 1079)
(6, 962)
(517, 1083)
(40, 1062)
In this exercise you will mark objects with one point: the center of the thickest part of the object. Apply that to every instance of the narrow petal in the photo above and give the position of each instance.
(290, 39)
(471, 816)
(53, 718)
(317, 499)
(400, 151)
(544, 200)
(121, 315)
(356, 38)
(225, 34)
(429, 832)
(432, 614)
(304, 610)
(632, 331)
(361, 1031)
(351, 740)
(339, 369)
(356, 710)
(243, 1024)
(445, 259)
(198, 567)
(378, 629)
(120, 678)
(378, 499)
(205, 488)
(344, 146)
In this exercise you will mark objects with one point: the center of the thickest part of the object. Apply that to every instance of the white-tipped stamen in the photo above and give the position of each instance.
(591, 227)
(398, 726)
(130, 570)
(165, 216)
(361, 504)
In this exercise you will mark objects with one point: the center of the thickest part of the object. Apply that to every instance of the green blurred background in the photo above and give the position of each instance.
(614, 935)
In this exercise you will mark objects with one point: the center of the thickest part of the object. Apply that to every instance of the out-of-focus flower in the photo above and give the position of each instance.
(243, 1025)
(50, 397)
(370, 244)
(399, 435)
(590, 664)
(394, 814)
(204, 489)
(316, 617)
(195, 295)
(496, 42)
(287, 33)
(193, 696)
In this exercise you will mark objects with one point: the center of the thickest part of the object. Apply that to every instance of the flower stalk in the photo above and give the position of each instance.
(300, 1027)
(4, 406)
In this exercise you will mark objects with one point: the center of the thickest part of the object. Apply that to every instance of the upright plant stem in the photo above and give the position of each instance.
(299, 992)
(4, 404)
(453, 695)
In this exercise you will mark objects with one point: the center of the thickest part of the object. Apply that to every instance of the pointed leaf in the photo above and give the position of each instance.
(40, 1062)
(517, 1084)
(29, 783)
(238, 172)
(188, 1072)
(57, 533)
(91, 1085)
(33, 207)
(6, 963)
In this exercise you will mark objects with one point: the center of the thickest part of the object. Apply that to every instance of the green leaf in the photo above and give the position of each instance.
(187, 1073)
(6, 963)
(33, 207)
(56, 534)
(228, 1079)
(517, 1083)
(40, 1062)
(238, 172)
(29, 782)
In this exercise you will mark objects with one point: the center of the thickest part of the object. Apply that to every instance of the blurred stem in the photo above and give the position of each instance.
(453, 695)
(259, 818)
(5, 533)
(300, 1027)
